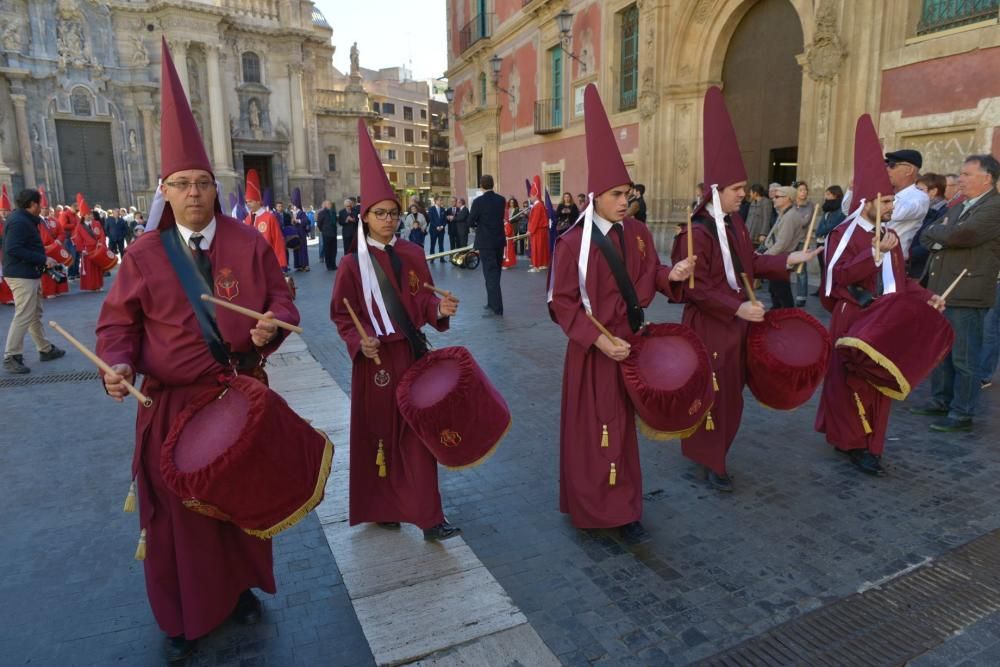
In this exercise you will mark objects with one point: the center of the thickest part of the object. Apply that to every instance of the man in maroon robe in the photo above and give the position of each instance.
(393, 476)
(600, 478)
(852, 413)
(199, 570)
(717, 308)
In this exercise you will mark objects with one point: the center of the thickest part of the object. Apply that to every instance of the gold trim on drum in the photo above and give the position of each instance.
(299, 514)
(662, 436)
(884, 362)
(487, 454)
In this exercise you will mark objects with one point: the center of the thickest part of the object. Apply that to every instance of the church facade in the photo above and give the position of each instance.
(79, 96)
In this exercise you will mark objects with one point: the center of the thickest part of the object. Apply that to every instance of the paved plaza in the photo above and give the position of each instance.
(802, 531)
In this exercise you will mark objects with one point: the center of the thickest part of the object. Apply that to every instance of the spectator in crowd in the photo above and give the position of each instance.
(566, 213)
(416, 225)
(772, 193)
(699, 193)
(637, 203)
(437, 225)
(935, 186)
(805, 209)
(24, 261)
(515, 216)
(745, 206)
(311, 215)
(581, 201)
(486, 217)
(117, 231)
(990, 355)
(758, 218)
(783, 238)
(951, 193)
(326, 221)
(967, 237)
(462, 223)
(347, 220)
(449, 216)
(910, 205)
(832, 216)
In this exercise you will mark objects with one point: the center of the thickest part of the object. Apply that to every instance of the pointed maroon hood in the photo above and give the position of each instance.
(870, 176)
(375, 186)
(605, 167)
(181, 146)
(723, 161)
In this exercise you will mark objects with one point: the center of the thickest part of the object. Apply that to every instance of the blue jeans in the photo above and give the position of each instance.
(991, 341)
(955, 383)
(802, 282)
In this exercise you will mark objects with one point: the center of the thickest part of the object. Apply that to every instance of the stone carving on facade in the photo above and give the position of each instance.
(827, 51)
(649, 98)
(587, 51)
(514, 85)
(253, 113)
(704, 10)
(194, 80)
(139, 56)
(683, 156)
(12, 35)
(355, 60)
(73, 50)
(133, 142)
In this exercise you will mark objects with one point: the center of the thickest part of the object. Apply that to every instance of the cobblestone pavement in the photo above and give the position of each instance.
(802, 529)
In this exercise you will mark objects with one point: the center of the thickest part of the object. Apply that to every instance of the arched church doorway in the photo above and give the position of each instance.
(762, 83)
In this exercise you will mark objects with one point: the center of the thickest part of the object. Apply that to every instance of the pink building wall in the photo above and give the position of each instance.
(525, 59)
(942, 84)
(586, 21)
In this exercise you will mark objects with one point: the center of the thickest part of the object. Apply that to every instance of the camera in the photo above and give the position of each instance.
(57, 274)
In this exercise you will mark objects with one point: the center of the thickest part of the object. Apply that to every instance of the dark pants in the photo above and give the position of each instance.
(990, 354)
(437, 239)
(781, 294)
(74, 270)
(955, 382)
(462, 235)
(802, 283)
(348, 240)
(491, 258)
(453, 238)
(330, 251)
(117, 246)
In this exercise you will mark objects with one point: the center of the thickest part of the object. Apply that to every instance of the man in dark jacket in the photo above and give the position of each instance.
(462, 224)
(967, 237)
(486, 218)
(449, 215)
(24, 261)
(437, 225)
(117, 231)
(347, 220)
(327, 224)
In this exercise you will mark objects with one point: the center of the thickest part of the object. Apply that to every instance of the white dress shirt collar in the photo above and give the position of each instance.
(603, 224)
(378, 244)
(207, 234)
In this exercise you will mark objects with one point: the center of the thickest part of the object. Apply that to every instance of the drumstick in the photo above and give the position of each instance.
(361, 329)
(809, 233)
(746, 283)
(601, 327)
(878, 228)
(954, 284)
(100, 363)
(440, 292)
(690, 244)
(250, 313)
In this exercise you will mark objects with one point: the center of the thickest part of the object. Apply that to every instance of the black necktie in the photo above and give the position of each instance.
(397, 265)
(617, 229)
(201, 259)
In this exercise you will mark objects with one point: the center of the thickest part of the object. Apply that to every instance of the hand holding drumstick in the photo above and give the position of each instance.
(369, 345)
(449, 303)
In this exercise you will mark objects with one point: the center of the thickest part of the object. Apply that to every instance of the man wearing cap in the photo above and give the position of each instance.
(393, 476)
(910, 203)
(263, 220)
(600, 477)
(852, 413)
(718, 308)
(199, 570)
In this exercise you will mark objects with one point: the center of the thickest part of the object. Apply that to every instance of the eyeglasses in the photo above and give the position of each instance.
(184, 186)
(891, 164)
(382, 214)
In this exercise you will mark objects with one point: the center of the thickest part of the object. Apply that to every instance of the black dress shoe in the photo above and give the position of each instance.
(442, 531)
(867, 462)
(949, 425)
(392, 525)
(248, 609)
(930, 410)
(633, 533)
(52, 353)
(718, 482)
(486, 307)
(178, 648)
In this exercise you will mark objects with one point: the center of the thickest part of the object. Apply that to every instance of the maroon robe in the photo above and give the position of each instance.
(838, 416)
(593, 391)
(87, 244)
(196, 567)
(409, 491)
(711, 311)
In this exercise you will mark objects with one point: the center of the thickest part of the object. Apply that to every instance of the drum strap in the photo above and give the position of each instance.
(418, 343)
(710, 226)
(636, 317)
(195, 285)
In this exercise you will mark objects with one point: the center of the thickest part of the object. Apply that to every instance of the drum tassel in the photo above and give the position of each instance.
(709, 423)
(380, 460)
(613, 475)
(604, 437)
(130, 498)
(715, 382)
(861, 413)
(140, 550)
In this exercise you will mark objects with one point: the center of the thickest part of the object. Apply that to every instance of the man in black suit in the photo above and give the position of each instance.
(328, 232)
(461, 224)
(437, 224)
(449, 215)
(347, 219)
(486, 218)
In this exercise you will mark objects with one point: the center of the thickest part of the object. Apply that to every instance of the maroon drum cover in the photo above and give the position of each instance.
(104, 258)
(896, 342)
(668, 376)
(240, 454)
(453, 407)
(292, 239)
(56, 251)
(787, 356)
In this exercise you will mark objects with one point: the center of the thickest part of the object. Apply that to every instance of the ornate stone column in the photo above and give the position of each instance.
(24, 139)
(221, 155)
(299, 161)
(178, 49)
(151, 148)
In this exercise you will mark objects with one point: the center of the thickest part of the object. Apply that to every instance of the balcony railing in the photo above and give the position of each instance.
(941, 15)
(548, 116)
(480, 27)
(330, 99)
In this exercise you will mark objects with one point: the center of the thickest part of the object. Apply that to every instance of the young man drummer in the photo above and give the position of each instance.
(393, 476)
(600, 479)
(852, 413)
(718, 308)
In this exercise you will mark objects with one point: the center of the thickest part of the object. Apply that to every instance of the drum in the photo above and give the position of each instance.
(896, 342)
(668, 376)
(453, 407)
(56, 251)
(240, 454)
(292, 239)
(787, 356)
(104, 259)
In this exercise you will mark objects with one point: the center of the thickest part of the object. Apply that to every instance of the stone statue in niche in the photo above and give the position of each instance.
(11, 35)
(355, 60)
(133, 142)
(253, 113)
(70, 44)
(587, 52)
(140, 57)
(194, 80)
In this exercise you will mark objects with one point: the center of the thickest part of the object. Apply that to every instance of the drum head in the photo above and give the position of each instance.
(667, 362)
(211, 431)
(434, 383)
(796, 343)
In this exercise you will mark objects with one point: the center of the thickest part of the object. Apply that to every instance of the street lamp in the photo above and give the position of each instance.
(565, 21)
(449, 94)
(496, 62)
